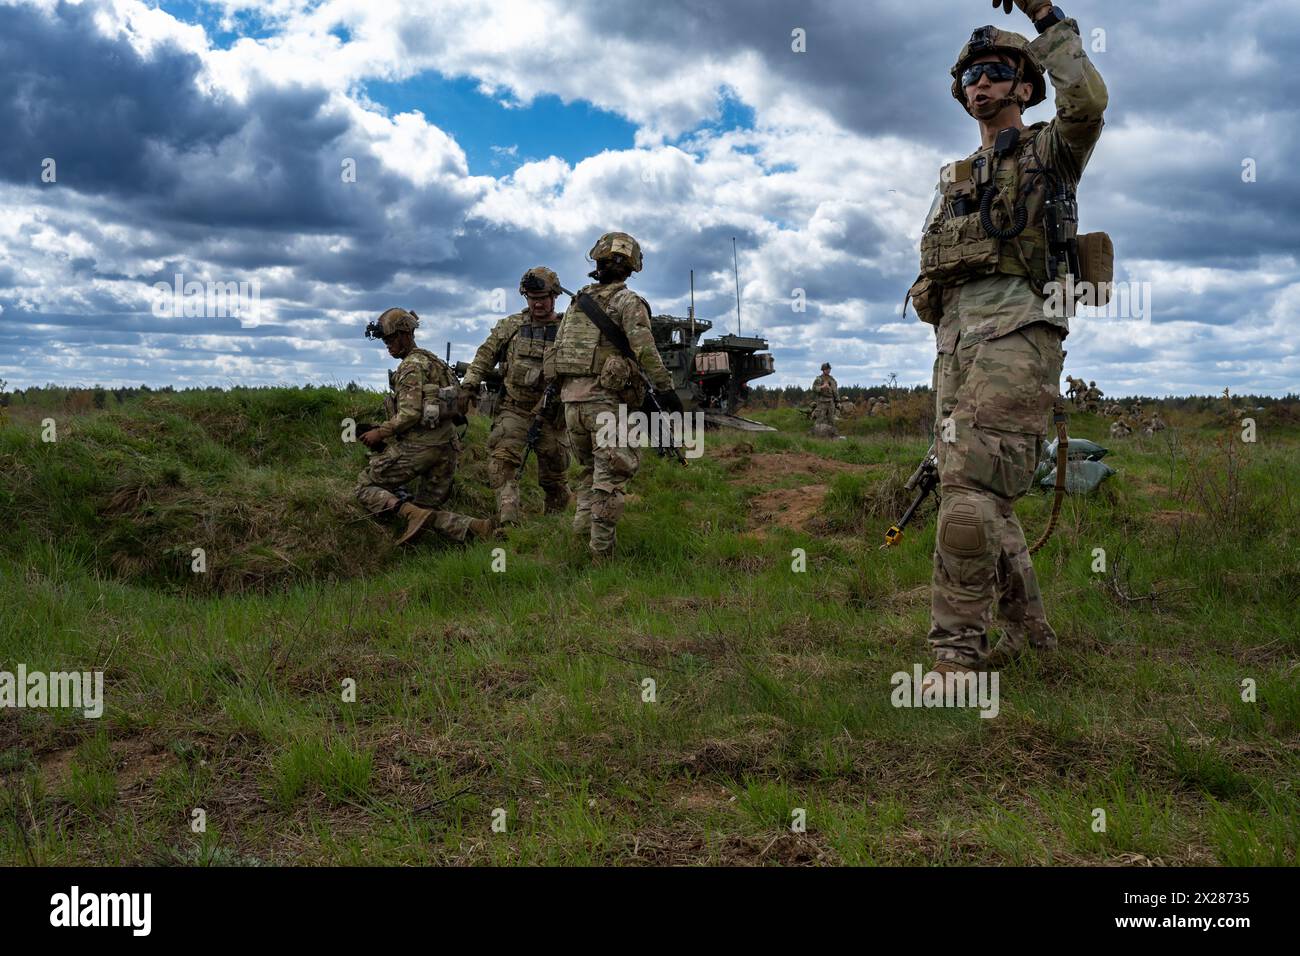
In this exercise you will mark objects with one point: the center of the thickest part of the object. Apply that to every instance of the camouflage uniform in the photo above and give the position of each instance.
(825, 398)
(414, 451)
(595, 378)
(520, 343)
(1120, 429)
(1092, 399)
(998, 367)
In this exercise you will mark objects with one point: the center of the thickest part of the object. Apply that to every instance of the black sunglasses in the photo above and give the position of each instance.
(996, 72)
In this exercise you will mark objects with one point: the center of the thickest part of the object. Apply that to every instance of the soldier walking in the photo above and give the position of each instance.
(518, 344)
(595, 378)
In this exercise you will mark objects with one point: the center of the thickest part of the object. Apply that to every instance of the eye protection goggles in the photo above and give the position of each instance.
(996, 72)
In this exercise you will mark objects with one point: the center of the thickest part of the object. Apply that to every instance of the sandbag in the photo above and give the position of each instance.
(1081, 477)
(1079, 449)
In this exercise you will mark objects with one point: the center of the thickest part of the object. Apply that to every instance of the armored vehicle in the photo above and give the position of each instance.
(712, 375)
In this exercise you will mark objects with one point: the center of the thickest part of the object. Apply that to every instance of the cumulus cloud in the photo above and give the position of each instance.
(254, 153)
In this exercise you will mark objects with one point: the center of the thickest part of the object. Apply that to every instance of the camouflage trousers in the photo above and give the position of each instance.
(505, 447)
(430, 466)
(992, 399)
(606, 466)
(823, 413)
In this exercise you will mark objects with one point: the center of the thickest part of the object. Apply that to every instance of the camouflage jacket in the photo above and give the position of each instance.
(954, 246)
(416, 380)
(819, 389)
(588, 365)
(518, 344)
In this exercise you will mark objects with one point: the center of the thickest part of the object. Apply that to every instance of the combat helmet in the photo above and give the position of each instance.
(989, 39)
(617, 244)
(539, 279)
(392, 321)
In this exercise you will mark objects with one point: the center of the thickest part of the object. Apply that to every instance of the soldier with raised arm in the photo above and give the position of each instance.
(998, 239)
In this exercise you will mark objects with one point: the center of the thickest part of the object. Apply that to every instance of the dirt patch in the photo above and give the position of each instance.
(136, 761)
(792, 464)
(791, 508)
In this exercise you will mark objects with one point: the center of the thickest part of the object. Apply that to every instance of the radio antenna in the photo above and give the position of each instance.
(735, 265)
(692, 308)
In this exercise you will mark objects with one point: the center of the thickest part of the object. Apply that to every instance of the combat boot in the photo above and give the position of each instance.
(415, 518)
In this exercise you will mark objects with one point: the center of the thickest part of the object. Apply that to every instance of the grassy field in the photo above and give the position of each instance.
(524, 690)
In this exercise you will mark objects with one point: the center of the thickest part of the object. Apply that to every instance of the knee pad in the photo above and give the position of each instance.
(965, 527)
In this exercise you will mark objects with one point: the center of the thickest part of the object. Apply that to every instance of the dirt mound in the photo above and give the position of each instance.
(792, 508)
(777, 466)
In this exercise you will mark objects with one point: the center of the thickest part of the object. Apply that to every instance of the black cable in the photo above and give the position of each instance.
(1020, 217)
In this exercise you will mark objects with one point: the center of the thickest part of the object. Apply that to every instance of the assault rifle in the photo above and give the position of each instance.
(925, 480)
(534, 435)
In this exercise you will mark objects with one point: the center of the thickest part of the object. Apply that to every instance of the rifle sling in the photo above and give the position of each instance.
(602, 321)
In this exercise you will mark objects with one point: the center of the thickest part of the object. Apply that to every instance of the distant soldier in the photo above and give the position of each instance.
(595, 378)
(518, 344)
(1120, 429)
(418, 442)
(1157, 423)
(826, 397)
(1137, 411)
(1092, 399)
(1075, 392)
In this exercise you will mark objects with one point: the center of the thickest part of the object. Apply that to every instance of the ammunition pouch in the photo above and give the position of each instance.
(957, 251)
(1097, 265)
(615, 374)
(439, 404)
(926, 297)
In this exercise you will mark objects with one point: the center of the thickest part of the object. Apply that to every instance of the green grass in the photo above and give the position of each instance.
(525, 691)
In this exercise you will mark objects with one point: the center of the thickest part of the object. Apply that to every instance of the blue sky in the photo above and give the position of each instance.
(208, 138)
(499, 136)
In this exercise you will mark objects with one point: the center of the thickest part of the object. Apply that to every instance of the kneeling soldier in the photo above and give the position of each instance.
(418, 441)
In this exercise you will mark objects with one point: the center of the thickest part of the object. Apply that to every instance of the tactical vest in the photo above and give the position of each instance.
(521, 369)
(437, 377)
(580, 349)
(956, 248)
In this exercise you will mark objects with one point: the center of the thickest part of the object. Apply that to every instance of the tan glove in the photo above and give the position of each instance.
(1030, 7)
(464, 398)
